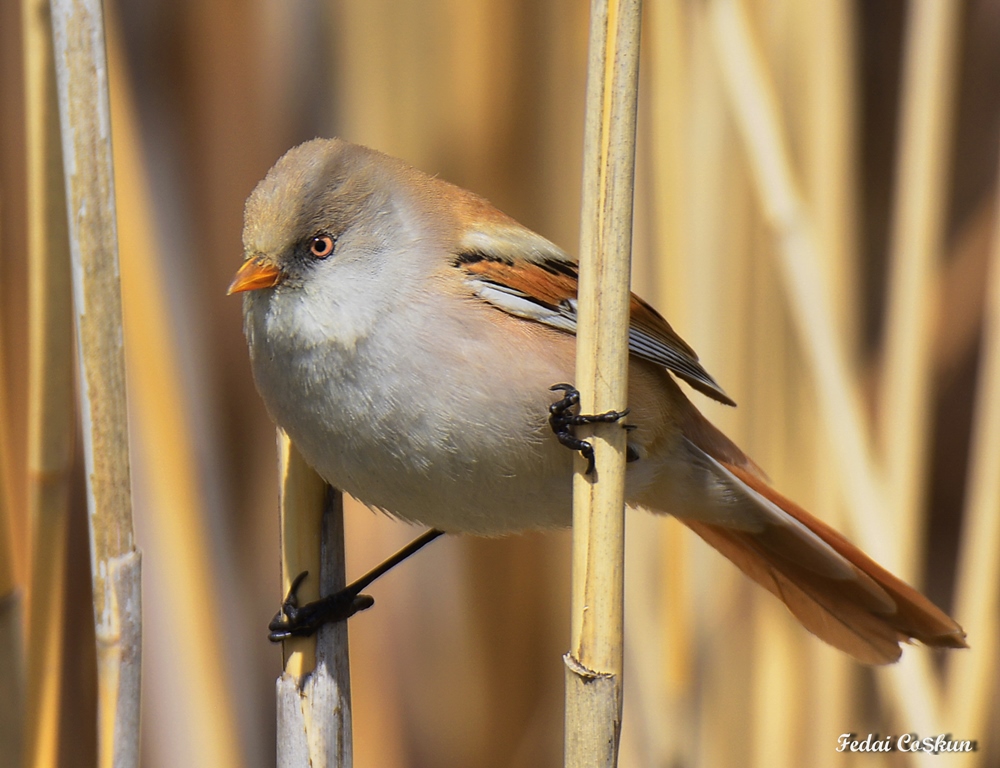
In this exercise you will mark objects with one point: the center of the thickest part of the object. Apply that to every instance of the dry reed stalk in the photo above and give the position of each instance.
(314, 691)
(718, 243)
(774, 709)
(81, 73)
(12, 672)
(809, 47)
(718, 237)
(8, 571)
(911, 684)
(174, 508)
(830, 153)
(647, 699)
(12, 659)
(594, 662)
(754, 106)
(666, 96)
(771, 408)
(972, 675)
(12, 668)
(776, 645)
(678, 657)
(51, 412)
(920, 200)
(662, 619)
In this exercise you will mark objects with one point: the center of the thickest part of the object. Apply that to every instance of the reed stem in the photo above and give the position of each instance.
(972, 675)
(915, 259)
(314, 692)
(912, 684)
(81, 74)
(51, 412)
(594, 663)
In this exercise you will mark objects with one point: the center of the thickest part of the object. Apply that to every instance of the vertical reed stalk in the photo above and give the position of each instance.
(594, 663)
(12, 673)
(51, 425)
(81, 73)
(12, 659)
(832, 149)
(972, 682)
(912, 684)
(753, 102)
(174, 510)
(314, 692)
(12, 677)
(671, 618)
(829, 29)
(917, 240)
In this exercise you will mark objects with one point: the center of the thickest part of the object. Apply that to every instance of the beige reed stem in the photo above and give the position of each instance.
(915, 257)
(594, 663)
(972, 681)
(81, 74)
(51, 412)
(12, 672)
(314, 692)
(911, 685)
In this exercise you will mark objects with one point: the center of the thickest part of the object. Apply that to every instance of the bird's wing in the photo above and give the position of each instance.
(540, 284)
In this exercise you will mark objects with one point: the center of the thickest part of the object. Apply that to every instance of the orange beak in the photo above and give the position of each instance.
(254, 274)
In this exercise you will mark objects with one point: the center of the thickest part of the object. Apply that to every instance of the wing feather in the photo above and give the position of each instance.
(544, 289)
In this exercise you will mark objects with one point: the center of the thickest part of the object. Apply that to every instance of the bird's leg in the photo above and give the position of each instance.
(562, 420)
(294, 620)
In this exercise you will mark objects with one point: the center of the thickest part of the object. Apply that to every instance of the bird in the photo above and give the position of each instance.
(407, 336)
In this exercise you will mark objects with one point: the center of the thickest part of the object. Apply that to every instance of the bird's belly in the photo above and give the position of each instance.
(446, 427)
(431, 473)
(424, 447)
(456, 497)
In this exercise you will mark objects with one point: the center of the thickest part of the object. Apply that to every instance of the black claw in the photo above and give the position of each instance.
(293, 620)
(292, 598)
(562, 420)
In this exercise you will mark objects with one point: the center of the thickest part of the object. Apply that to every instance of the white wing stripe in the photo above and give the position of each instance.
(563, 317)
(519, 304)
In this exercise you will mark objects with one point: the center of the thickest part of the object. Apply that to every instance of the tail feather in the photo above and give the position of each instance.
(915, 615)
(835, 590)
(839, 622)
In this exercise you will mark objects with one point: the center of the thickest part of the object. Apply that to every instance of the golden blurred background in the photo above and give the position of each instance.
(861, 135)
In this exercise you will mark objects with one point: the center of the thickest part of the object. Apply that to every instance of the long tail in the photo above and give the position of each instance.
(838, 593)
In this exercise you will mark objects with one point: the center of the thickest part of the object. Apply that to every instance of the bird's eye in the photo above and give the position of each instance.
(321, 246)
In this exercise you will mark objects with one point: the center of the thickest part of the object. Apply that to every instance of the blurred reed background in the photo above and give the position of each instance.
(859, 136)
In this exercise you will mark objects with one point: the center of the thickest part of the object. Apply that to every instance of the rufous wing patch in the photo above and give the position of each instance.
(544, 289)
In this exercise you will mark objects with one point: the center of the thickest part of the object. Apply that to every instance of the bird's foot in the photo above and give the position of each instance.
(294, 620)
(562, 419)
